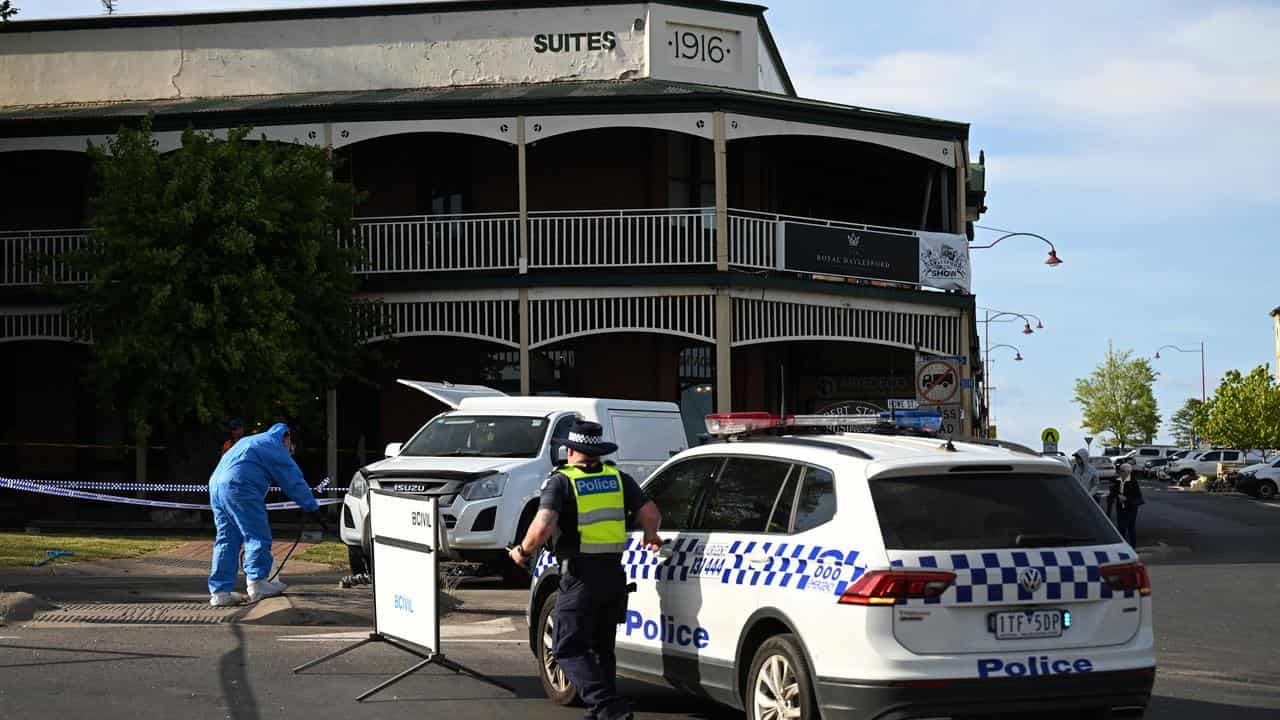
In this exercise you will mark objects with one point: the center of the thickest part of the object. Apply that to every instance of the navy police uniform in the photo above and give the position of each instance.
(592, 583)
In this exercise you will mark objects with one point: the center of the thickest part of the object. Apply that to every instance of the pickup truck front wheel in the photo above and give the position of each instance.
(1266, 490)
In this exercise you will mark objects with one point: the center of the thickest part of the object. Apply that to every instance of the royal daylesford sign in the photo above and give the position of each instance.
(938, 260)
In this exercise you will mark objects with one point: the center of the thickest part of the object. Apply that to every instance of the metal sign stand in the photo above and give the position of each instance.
(427, 659)
(428, 656)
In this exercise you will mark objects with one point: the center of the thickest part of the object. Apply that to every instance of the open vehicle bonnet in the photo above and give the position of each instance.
(450, 394)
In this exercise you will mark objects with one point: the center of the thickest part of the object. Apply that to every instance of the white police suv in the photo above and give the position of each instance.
(877, 575)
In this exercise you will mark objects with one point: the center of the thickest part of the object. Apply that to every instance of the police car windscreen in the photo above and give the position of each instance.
(478, 436)
(981, 510)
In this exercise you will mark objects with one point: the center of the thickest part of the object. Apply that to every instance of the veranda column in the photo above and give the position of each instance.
(522, 314)
(724, 304)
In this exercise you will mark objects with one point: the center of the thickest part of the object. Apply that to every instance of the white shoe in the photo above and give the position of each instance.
(225, 599)
(259, 589)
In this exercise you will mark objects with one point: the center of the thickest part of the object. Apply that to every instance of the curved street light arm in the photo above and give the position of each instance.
(1003, 345)
(995, 242)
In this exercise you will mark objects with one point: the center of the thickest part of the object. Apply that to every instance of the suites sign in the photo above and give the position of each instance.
(939, 260)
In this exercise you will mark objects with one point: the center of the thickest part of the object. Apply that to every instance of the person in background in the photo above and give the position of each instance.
(359, 569)
(238, 493)
(236, 428)
(1083, 470)
(1128, 499)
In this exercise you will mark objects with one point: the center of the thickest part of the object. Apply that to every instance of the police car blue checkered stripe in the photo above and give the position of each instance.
(995, 576)
(787, 565)
(982, 577)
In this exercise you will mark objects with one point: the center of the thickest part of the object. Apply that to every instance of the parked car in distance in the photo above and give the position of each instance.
(1206, 463)
(1162, 471)
(1155, 466)
(1105, 466)
(1141, 456)
(1261, 480)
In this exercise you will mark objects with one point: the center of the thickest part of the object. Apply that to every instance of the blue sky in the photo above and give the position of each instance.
(1138, 136)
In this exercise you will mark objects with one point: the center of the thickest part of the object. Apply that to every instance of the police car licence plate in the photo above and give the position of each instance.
(1025, 624)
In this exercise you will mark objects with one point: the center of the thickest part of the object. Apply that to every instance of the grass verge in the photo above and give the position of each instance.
(18, 549)
(327, 552)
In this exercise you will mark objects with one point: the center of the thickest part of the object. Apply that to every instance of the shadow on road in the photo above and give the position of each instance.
(234, 677)
(114, 655)
(1169, 708)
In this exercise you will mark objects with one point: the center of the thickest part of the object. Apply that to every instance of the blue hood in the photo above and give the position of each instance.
(278, 431)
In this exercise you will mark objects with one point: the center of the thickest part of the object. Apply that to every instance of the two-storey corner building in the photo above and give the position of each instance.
(604, 198)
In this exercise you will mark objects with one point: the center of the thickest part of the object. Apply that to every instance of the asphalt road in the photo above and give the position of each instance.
(1215, 598)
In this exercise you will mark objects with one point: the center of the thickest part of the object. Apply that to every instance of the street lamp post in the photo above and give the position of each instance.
(986, 343)
(1194, 436)
(986, 370)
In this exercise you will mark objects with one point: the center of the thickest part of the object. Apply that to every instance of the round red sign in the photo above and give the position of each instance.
(937, 382)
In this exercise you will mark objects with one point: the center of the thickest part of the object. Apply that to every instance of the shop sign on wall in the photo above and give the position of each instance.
(939, 260)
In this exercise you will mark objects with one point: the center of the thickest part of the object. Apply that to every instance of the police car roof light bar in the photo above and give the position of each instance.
(890, 587)
(742, 423)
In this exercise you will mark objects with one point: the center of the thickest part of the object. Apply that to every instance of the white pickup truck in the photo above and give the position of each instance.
(487, 457)
(1190, 467)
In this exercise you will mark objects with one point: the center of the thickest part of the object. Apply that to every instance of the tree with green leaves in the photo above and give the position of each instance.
(7, 10)
(1244, 412)
(218, 287)
(1117, 398)
(1182, 423)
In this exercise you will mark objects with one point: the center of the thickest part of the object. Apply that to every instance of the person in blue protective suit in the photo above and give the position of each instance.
(238, 492)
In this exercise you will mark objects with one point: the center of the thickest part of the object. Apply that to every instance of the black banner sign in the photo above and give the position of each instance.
(856, 253)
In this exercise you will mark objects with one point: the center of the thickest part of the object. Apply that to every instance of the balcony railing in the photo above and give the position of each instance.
(675, 237)
(622, 238)
(425, 243)
(19, 249)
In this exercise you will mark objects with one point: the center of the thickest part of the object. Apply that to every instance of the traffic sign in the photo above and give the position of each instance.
(1050, 438)
(991, 432)
(952, 414)
(903, 403)
(937, 380)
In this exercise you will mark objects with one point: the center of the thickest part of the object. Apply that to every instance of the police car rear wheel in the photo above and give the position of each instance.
(558, 688)
(779, 686)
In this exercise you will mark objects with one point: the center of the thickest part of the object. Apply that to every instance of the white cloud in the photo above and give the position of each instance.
(1176, 109)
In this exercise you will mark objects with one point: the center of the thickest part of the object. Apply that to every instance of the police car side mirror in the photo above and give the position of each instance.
(393, 449)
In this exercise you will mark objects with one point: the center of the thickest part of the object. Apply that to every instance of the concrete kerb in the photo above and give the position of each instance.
(21, 606)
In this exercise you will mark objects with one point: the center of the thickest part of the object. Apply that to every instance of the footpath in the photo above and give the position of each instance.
(169, 588)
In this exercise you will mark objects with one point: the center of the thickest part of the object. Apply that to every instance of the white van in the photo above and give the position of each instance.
(487, 457)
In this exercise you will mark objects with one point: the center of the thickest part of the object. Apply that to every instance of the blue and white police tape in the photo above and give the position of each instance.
(29, 486)
(158, 487)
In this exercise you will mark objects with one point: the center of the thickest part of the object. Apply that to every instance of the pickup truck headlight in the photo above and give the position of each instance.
(358, 487)
(487, 487)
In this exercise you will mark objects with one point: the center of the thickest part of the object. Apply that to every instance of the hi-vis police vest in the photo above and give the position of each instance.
(602, 510)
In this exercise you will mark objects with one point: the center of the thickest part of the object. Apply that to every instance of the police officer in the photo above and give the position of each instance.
(585, 505)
